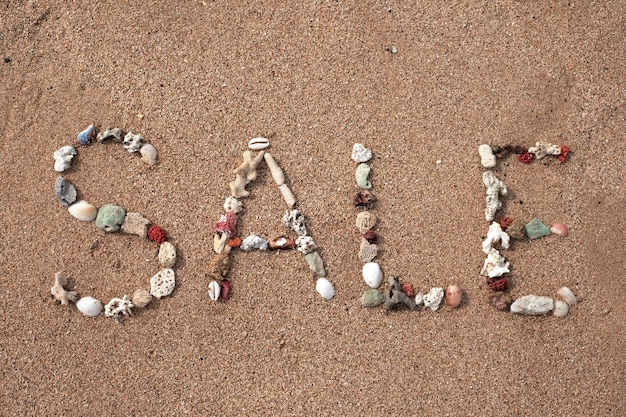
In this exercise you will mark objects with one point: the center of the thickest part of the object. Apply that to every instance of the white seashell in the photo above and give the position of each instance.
(560, 309)
(277, 173)
(433, 299)
(372, 274)
(487, 158)
(567, 295)
(84, 211)
(162, 283)
(324, 288)
(214, 290)
(257, 144)
(89, 306)
(288, 196)
(148, 154)
(167, 255)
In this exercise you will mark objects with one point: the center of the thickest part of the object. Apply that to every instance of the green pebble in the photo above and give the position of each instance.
(315, 263)
(110, 218)
(535, 229)
(372, 298)
(362, 172)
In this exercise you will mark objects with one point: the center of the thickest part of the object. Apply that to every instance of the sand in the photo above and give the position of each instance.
(198, 80)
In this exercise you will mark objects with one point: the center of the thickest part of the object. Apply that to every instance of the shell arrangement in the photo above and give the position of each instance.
(112, 218)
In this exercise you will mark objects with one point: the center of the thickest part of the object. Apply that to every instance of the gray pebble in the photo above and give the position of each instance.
(66, 192)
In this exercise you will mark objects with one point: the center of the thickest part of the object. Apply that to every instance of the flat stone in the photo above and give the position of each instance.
(316, 264)
(372, 298)
(367, 251)
(535, 229)
(66, 192)
(533, 305)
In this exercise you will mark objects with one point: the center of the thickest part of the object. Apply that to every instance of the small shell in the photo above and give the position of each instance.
(559, 229)
(290, 200)
(372, 275)
(324, 288)
(167, 255)
(148, 154)
(277, 173)
(87, 136)
(567, 295)
(453, 296)
(214, 290)
(560, 309)
(257, 144)
(89, 306)
(84, 211)
(141, 298)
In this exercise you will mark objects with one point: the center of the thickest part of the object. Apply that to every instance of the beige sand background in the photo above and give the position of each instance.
(315, 76)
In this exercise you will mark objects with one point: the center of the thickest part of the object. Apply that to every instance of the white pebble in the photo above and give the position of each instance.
(372, 274)
(532, 305)
(567, 295)
(487, 158)
(325, 288)
(89, 306)
(84, 211)
(148, 154)
(433, 299)
(560, 309)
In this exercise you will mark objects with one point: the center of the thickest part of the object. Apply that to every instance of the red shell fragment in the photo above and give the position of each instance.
(371, 236)
(235, 242)
(224, 289)
(497, 283)
(364, 199)
(526, 157)
(564, 152)
(407, 288)
(226, 224)
(505, 222)
(156, 234)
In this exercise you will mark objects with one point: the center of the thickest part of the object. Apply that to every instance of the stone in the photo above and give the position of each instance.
(559, 229)
(365, 221)
(395, 296)
(372, 275)
(83, 211)
(114, 134)
(148, 154)
(495, 235)
(535, 229)
(63, 158)
(288, 196)
(167, 255)
(141, 298)
(360, 153)
(294, 220)
(66, 192)
(162, 283)
(362, 172)
(453, 296)
(87, 136)
(532, 305)
(89, 306)
(495, 265)
(59, 292)
(364, 199)
(110, 217)
(281, 242)
(253, 242)
(487, 158)
(543, 149)
(135, 224)
(244, 174)
(567, 295)
(276, 171)
(495, 188)
(560, 309)
(231, 204)
(324, 288)
(516, 230)
(367, 251)
(257, 144)
(372, 298)
(433, 299)
(315, 263)
(132, 143)
(305, 244)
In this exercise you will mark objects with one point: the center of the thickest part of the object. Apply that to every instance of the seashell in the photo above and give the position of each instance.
(315, 263)
(288, 196)
(89, 306)
(87, 136)
(560, 309)
(567, 295)
(533, 305)
(372, 298)
(433, 299)
(114, 134)
(233, 205)
(162, 283)
(559, 229)
(372, 275)
(148, 154)
(253, 242)
(306, 244)
(277, 173)
(487, 158)
(360, 153)
(141, 298)
(365, 221)
(294, 220)
(66, 192)
(214, 290)
(325, 288)
(132, 143)
(63, 158)
(257, 144)
(362, 172)
(110, 217)
(367, 251)
(453, 296)
(167, 255)
(84, 211)
(281, 242)
(219, 243)
(135, 224)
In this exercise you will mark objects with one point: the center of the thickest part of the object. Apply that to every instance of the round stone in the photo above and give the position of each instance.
(110, 218)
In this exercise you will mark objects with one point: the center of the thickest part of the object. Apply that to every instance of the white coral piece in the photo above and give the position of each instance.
(543, 149)
(360, 153)
(59, 292)
(495, 235)
(163, 283)
(253, 242)
(63, 158)
(118, 306)
(495, 188)
(132, 143)
(232, 204)
(433, 299)
(306, 244)
(495, 265)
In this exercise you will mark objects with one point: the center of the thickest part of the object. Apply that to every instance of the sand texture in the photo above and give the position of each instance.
(198, 79)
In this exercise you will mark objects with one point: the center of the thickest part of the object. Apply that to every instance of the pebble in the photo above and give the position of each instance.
(135, 224)
(532, 305)
(277, 173)
(148, 154)
(110, 218)
(433, 299)
(453, 296)
(167, 255)
(114, 134)
(372, 298)
(257, 144)
(84, 211)
(367, 251)
(66, 192)
(360, 153)
(281, 242)
(325, 288)
(63, 158)
(288, 196)
(365, 221)
(559, 229)
(372, 275)
(315, 263)
(560, 309)
(362, 172)
(487, 158)
(419, 298)
(132, 143)
(214, 290)
(253, 242)
(535, 229)
(141, 298)
(89, 306)
(162, 283)
(567, 295)
(87, 136)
